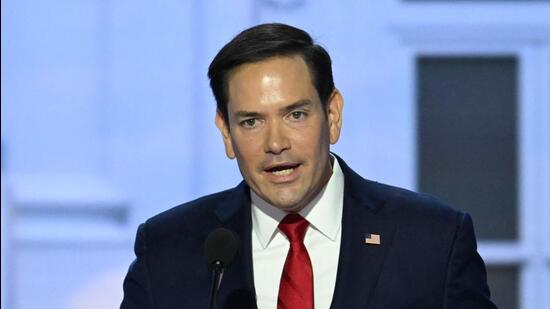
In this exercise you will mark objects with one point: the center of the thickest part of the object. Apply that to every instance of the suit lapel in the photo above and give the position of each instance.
(360, 264)
(237, 286)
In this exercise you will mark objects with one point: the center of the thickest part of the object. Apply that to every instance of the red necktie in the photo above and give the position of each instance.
(296, 287)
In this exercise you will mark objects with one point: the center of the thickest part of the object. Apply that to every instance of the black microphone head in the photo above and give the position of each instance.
(221, 245)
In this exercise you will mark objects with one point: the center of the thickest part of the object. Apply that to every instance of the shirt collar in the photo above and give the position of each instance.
(324, 212)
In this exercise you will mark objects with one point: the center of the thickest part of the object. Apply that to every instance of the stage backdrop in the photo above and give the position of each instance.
(107, 119)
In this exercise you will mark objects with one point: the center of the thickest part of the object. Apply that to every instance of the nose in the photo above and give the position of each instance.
(276, 139)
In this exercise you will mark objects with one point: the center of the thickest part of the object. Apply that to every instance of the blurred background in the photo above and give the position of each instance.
(107, 119)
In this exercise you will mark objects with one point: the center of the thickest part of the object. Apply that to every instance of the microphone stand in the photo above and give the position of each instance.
(216, 279)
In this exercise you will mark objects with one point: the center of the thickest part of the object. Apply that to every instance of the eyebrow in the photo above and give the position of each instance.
(284, 110)
(296, 105)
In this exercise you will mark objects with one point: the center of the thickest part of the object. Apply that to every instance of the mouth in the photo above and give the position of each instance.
(281, 170)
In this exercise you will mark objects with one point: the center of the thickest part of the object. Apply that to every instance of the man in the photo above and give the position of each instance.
(313, 232)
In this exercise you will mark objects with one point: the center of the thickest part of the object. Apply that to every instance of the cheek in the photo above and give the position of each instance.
(312, 138)
(248, 149)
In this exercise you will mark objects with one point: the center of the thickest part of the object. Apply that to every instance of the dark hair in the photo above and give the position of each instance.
(265, 41)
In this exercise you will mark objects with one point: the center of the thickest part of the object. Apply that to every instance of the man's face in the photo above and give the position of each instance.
(278, 130)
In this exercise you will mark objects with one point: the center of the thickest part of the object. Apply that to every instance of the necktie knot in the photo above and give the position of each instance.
(294, 227)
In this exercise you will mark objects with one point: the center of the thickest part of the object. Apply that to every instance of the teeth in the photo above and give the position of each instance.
(283, 172)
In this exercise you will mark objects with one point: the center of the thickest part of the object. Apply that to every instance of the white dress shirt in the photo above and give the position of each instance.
(322, 240)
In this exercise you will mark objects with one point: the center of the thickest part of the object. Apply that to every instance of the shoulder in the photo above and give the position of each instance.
(401, 204)
(187, 218)
(188, 210)
(410, 205)
(422, 218)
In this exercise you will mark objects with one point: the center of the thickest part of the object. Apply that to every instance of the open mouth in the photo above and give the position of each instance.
(282, 169)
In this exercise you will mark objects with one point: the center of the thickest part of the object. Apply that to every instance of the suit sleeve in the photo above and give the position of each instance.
(137, 289)
(466, 284)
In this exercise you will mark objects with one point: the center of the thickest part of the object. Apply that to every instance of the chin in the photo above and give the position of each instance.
(287, 205)
(287, 199)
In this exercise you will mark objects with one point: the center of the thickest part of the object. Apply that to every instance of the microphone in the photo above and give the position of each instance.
(220, 249)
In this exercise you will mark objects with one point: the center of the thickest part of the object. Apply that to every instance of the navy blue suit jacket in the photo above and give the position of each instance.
(427, 257)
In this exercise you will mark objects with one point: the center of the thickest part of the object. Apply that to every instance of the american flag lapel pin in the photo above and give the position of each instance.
(372, 239)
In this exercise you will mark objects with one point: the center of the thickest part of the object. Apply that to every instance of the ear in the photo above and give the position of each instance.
(223, 126)
(335, 107)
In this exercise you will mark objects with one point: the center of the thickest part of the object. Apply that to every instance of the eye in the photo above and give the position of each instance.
(297, 115)
(249, 123)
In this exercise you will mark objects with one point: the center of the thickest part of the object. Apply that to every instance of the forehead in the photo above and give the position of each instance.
(270, 82)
